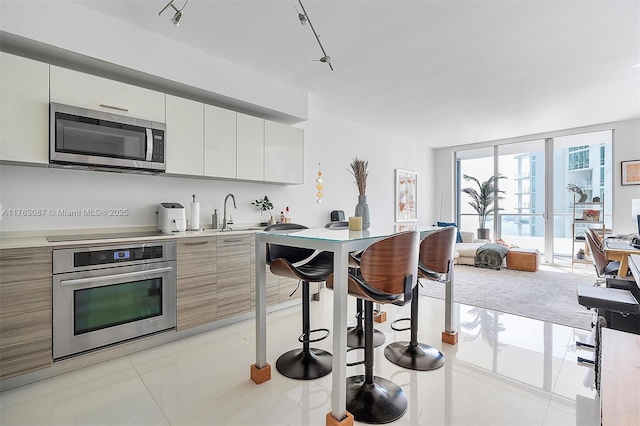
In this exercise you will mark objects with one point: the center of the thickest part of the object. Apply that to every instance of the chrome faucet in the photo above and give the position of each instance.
(224, 213)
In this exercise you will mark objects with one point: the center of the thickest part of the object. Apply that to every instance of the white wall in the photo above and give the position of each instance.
(329, 140)
(626, 147)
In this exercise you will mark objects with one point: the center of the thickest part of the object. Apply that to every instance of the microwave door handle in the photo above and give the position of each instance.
(149, 144)
(117, 276)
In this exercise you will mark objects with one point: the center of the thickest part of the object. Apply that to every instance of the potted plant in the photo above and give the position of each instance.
(483, 199)
(572, 187)
(580, 254)
(265, 205)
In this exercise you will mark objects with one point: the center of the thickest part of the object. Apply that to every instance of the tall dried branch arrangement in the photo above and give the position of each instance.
(360, 173)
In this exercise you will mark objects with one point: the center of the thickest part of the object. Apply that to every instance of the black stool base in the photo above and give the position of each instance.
(420, 357)
(301, 365)
(380, 402)
(355, 337)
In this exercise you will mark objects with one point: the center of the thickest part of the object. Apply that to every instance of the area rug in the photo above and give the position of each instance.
(548, 294)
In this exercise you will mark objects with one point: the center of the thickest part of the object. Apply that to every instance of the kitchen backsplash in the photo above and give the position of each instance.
(35, 198)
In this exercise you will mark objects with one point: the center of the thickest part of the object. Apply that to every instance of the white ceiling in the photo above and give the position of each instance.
(440, 72)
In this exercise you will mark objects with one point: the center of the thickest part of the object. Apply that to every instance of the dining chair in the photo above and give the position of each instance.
(388, 274)
(437, 253)
(297, 263)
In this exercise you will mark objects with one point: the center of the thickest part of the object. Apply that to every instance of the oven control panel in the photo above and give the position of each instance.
(109, 256)
(102, 257)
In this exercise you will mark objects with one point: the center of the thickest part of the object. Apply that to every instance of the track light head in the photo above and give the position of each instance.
(303, 19)
(176, 18)
(179, 12)
(325, 59)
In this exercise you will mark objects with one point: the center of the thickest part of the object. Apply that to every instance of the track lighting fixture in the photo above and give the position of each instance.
(304, 19)
(178, 15)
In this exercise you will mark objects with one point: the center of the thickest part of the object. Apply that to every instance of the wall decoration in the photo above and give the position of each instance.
(631, 172)
(406, 196)
(319, 185)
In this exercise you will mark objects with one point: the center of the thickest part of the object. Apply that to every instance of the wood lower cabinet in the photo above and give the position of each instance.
(197, 281)
(25, 310)
(234, 274)
(272, 281)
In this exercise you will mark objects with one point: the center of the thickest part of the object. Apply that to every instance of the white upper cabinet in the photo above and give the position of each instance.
(250, 143)
(220, 133)
(284, 153)
(100, 94)
(24, 110)
(185, 136)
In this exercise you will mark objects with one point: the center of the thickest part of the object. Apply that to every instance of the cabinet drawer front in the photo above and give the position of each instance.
(197, 246)
(234, 245)
(25, 265)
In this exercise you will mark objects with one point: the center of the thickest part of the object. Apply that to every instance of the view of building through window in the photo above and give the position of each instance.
(583, 159)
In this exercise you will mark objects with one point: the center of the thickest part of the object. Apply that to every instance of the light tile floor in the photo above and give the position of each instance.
(505, 370)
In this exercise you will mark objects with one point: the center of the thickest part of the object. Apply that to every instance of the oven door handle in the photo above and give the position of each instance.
(117, 276)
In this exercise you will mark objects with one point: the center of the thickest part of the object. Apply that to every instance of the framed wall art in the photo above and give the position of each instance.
(631, 172)
(406, 196)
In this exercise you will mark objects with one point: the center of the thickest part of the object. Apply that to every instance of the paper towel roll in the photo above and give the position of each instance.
(194, 217)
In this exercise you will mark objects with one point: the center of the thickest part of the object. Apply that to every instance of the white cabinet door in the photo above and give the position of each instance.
(250, 147)
(24, 110)
(185, 136)
(101, 94)
(219, 142)
(284, 153)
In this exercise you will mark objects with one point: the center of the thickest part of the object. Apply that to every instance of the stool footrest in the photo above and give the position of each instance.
(353, 364)
(301, 339)
(395, 328)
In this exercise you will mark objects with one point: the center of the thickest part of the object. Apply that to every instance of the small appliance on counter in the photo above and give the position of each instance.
(337, 216)
(171, 218)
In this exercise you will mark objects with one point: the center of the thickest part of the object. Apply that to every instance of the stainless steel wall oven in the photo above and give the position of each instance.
(110, 294)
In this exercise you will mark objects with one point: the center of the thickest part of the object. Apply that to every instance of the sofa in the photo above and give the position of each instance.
(466, 250)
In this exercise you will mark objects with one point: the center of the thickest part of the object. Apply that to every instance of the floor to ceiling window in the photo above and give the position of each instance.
(521, 216)
(537, 174)
(585, 160)
(479, 164)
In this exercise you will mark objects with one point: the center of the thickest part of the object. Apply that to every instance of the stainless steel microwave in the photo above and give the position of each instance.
(82, 138)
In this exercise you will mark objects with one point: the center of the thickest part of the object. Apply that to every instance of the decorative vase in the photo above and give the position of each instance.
(583, 198)
(271, 221)
(484, 233)
(362, 210)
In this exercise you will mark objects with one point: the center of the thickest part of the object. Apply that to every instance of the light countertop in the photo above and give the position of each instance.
(16, 240)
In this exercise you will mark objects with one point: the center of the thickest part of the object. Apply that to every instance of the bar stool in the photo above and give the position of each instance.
(436, 263)
(355, 334)
(306, 363)
(388, 274)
